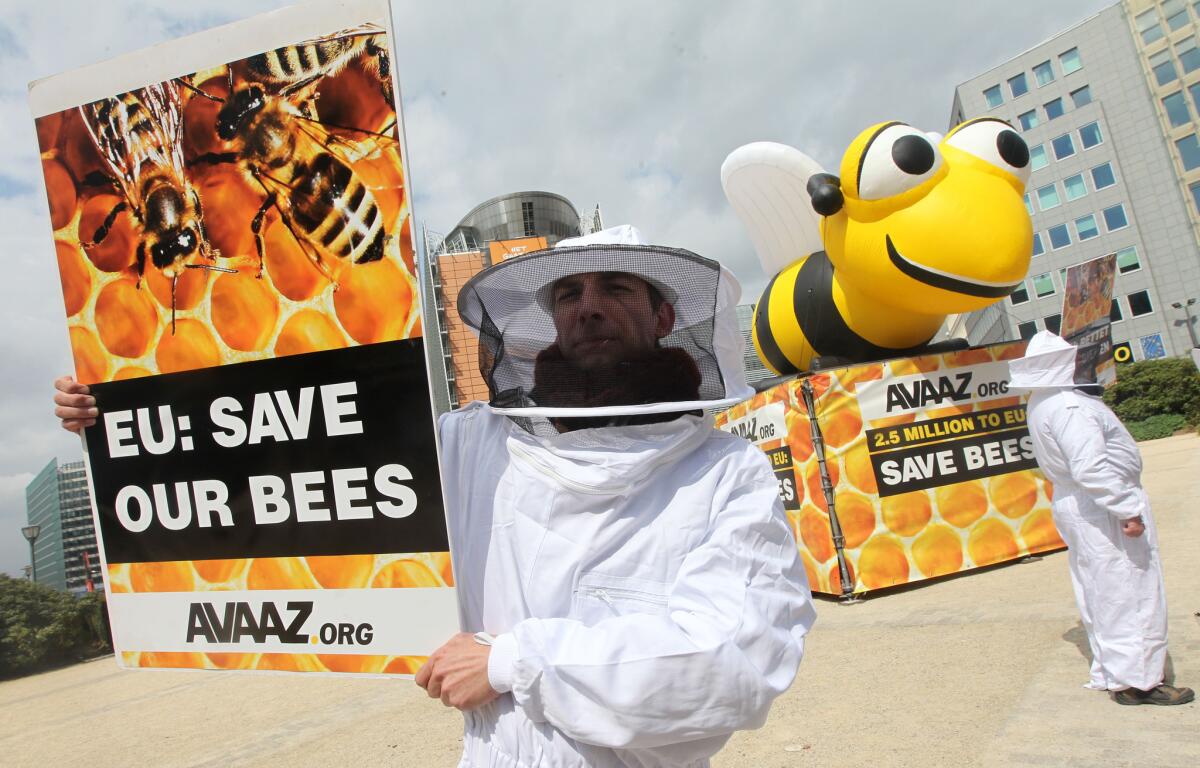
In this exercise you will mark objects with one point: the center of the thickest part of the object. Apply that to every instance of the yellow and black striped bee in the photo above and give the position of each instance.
(138, 135)
(868, 265)
(293, 68)
(306, 174)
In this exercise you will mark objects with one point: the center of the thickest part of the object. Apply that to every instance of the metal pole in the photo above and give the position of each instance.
(818, 441)
(1186, 309)
(30, 532)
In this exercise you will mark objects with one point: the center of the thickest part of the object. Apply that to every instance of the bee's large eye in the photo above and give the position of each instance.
(897, 159)
(995, 142)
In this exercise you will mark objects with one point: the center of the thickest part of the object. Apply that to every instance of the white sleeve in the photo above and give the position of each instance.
(1080, 436)
(730, 642)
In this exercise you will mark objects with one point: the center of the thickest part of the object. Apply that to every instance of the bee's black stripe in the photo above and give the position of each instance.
(356, 197)
(822, 323)
(766, 339)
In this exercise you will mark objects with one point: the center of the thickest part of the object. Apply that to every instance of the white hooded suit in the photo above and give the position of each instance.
(1095, 467)
(642, 582)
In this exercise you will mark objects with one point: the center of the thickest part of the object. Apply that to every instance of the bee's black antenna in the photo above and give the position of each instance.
(199, 91)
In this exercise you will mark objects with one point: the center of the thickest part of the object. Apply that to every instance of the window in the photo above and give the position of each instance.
(1189, 54)
(1054, 109)
(1177, 109)
(1085, 227)
(1020, 295)
(1028, 204)
(1081, 96)
(1090, 135)
(1176, 13)
(1027, 330)
(1053, 323)
(1115, 218)
(1148, 27)
(1044, 73)
(1163, 67)
(993, 97)
(1047, 197)
(1060, 237)
(1037, 157)
(1194, 188)
(1063, 146)
(1017, 85)
(1114, 312)
(1043, 285)
(1139, 304)
(1069, 61)
(527, 218)
(1075, 187)
(1194, 90)
(1189, 152)
(1102, 176)
(1127, 260)
(1038, 250)
(1028, 119)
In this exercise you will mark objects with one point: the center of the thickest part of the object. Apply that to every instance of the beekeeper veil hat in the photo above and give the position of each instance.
(1049, 363)
(696, 365)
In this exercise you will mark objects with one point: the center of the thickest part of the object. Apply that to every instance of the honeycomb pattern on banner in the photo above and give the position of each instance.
(429, 569)
(119, 330)
(913, 536)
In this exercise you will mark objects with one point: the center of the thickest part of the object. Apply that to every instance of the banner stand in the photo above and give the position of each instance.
(839, 541)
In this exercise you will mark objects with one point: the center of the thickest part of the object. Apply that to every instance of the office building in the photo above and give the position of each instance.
(1109, 109)
(57, 501)
(495, 230)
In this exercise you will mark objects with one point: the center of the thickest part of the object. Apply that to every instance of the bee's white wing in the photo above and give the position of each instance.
(766, 185)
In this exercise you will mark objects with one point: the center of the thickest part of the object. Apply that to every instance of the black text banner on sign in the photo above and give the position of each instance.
(929, 465)
(781, 463)
(300, 455)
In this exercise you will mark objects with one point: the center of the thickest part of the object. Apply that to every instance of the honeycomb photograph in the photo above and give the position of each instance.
(256, 209)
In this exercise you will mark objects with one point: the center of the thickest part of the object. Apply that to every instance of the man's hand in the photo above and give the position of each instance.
(74, 404)
(1133, 527)
(457, 673)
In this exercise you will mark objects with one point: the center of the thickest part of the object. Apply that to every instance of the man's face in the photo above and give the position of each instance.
(603, 318)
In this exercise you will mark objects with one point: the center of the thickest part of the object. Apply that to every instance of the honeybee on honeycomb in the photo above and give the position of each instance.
(348, 159)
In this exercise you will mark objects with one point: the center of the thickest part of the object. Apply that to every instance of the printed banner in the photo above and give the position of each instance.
(1087, 318)
(931, 465)
(232, 227)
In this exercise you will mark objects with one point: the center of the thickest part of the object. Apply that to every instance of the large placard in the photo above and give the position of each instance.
(232, 225)
(929, 460)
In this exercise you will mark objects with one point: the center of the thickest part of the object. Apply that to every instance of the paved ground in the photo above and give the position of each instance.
(980, 670)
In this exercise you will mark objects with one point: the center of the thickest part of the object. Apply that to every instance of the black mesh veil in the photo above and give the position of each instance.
(696, 365)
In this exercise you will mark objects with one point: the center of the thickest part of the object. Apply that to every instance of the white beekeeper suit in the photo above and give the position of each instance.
(1095, 467)
(641, 582)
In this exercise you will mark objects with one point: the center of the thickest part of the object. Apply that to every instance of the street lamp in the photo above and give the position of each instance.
(1186, 308)
(30, 532)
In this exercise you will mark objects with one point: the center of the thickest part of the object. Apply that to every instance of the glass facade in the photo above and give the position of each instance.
(518, 215)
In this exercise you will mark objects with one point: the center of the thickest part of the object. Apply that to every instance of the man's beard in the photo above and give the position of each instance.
(661, 375)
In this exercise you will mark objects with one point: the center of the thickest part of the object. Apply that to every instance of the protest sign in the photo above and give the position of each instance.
(1086, 318)
(928, 461)
(232, 225)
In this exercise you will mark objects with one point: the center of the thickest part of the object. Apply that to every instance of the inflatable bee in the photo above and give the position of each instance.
(868, 265)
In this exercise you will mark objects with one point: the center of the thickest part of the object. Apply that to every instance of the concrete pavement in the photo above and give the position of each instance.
(983, 669)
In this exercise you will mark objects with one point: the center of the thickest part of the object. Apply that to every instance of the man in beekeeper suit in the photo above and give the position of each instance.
(1104, 517)
(630, 565)
(630, 588)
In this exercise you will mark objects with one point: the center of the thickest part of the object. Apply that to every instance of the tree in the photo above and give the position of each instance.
(41, 627)
(1156, 387)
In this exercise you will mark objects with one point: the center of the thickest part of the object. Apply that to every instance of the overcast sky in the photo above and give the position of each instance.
(632, 105)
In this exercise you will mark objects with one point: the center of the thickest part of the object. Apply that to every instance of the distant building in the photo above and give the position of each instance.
(1110, 110)
(57, 500)
(495, 230)
(755, 370)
